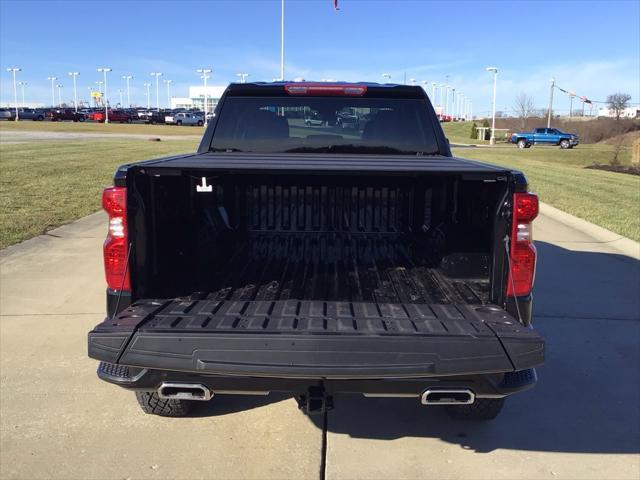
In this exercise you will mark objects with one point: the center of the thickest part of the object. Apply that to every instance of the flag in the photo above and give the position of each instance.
(335, 5)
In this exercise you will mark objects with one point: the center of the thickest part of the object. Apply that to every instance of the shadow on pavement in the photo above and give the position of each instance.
(588, 395)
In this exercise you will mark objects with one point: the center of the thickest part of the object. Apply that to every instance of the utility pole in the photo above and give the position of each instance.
(157, 75)
(571, 95)
(494, 70)
(281, 47)
(14, 70)
(549, 113)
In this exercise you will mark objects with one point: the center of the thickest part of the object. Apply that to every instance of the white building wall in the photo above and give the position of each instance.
(629, 112)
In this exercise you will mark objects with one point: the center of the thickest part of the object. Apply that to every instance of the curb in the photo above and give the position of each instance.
(616, 241)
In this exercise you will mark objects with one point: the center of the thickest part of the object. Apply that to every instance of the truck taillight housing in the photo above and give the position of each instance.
(522, 250)
(114, 202)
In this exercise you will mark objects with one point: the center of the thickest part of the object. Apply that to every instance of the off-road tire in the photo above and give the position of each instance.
(152, 404)
(564, 144)
(481, 409)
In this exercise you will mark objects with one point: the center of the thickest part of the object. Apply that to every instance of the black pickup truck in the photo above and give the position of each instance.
(306, 258)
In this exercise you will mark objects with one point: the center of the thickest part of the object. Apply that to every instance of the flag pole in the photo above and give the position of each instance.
(282, 40)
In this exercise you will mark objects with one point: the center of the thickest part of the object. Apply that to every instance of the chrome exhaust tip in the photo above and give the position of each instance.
(184, 391)
(451, 396)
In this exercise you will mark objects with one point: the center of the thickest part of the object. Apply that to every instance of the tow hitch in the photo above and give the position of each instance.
(315, 401)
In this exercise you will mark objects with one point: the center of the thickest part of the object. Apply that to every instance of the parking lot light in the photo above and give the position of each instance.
(242, 76)
(53, 92)
(493, 70)
(387, 76)
(147, 85)
(59, 85)
(75, 94)
(157, 75)
(14, 70)
(120, 92)
(204, 75)
(127, 78)
(22, 85)
(168, 83)
(104, 71)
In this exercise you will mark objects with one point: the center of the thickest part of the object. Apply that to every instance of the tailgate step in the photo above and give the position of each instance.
(316, 339)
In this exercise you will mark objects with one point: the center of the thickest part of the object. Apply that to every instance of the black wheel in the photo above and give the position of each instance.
(151, 403)
(481, 409)
(179, 123)
(200, 123)
(40, 118)
(522, 143)
(564, 144)
(129, 120)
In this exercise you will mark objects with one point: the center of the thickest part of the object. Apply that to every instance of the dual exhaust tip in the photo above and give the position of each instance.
(199, 392)
(185, 391)
(452, 396)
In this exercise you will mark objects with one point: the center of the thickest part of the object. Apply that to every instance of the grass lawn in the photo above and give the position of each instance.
(46, 184)
(90, 127)
(611, 200)
(460, 132)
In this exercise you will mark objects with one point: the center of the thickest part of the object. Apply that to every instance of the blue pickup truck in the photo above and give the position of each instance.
(545, 136)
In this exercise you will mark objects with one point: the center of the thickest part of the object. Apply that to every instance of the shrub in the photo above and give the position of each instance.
(474, 131)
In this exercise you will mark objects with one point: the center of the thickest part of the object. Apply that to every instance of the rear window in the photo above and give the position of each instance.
(324, 125)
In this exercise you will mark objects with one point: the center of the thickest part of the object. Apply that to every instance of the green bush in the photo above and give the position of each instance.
(474, 131)
(487, 132)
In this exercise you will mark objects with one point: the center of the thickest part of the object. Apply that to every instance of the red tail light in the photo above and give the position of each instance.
(114, 202)
(326, 89)
(523, 251)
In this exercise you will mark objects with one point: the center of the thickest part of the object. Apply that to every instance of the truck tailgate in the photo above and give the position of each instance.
(316, 339)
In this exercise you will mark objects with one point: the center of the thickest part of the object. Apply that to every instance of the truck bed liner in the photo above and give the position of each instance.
(356, 267)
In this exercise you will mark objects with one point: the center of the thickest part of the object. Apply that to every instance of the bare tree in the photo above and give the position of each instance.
(524, 108)
(617, 102)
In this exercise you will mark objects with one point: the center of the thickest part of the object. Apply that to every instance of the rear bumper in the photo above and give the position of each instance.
(483, 386)
(316, 340)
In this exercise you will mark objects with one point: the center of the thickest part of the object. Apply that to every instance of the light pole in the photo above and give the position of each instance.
(204, 72)
(157, 75)
(53, 94)
(14, 70)
(168, 82)
(413, 81)
(453, 103)
(148, 103)
(442, 87)
(281, 51)
(59, 85)
(387, 76)
(242, 76)
(494, 70)
(433, 93)
(553, 84)
(75, 94)
(127, 78)
(91, 96)
(120, 92)
(22, 85)
(104, 71)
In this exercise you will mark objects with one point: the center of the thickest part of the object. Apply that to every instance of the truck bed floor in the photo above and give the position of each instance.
(330, 267)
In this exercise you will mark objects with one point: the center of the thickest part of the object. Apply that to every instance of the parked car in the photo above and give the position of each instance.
(183, 118)
(115, 116)
(377, 264)
(34, 114)
(61, 114)
(7, 113)
(545, 136)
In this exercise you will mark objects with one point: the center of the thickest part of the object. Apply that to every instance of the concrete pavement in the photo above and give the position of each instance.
(57, 420)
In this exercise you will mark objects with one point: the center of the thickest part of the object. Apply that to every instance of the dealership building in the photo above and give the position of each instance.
(197, 95)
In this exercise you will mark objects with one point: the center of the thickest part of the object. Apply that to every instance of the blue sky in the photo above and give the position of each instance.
(591, 47)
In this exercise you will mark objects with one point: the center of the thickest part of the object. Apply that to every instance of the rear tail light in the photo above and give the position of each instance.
(522, 250)
(325, 89)
(114, 202)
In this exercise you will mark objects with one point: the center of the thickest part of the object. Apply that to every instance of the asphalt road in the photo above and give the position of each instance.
(57, 420)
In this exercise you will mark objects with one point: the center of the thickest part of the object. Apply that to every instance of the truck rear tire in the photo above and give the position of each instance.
(151, 403)
(564, 144)
(481, 409)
